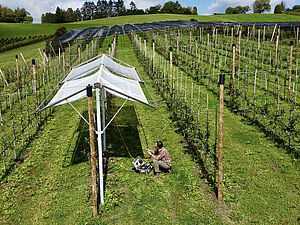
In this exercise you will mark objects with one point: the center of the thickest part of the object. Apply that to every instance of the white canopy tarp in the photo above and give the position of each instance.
(91, 66)
(75, 89)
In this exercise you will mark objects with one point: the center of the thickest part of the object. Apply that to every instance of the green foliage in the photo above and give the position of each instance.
(280, 8)
(195, 10)
(260, 6)
(17, 16)
(237, 10)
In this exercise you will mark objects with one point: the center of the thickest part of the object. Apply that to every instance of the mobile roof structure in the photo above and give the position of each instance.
(110, 75)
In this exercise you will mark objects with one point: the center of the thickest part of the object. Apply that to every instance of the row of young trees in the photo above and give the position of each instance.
(14, 16)
(104, 8)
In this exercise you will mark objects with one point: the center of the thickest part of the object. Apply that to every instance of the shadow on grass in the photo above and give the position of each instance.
(127, 121)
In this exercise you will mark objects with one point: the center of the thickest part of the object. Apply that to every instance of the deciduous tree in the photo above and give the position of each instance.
(260, 6)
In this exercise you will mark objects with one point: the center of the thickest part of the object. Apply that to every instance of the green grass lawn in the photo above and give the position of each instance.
(9, 30)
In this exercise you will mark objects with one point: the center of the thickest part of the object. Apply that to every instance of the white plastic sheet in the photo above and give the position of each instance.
(91, 66)
(75, 89)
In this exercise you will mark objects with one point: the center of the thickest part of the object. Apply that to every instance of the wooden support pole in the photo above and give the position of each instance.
(207, 48)
(231, 35)
(92, 149)
(53, 49)
(78, 53)
(153, 56)
(64, 62)
(290, 71)
(87, 51)
(190, 39)
(178, 44)
(264, 37)
(258, 41)
(171, 68)
(297, 40)
(92, 48)
(274, 32)
(59, 56)
(145, 48)
(18, 73)
(221, 122)
(24, 60)
(196, 63)
(276, 53)
(3, 77)
(35, 89)
(233, 74)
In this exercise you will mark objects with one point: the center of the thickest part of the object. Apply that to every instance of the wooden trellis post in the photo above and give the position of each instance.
(78, 46)
(221, 122)
(290, 71)
(258, 41)
(18, 73)
(207, 48)
(196, 64)
(276, 53)
(145, 48)
(153, 52)
(92, 148)
(59, 56)
(64, 62)
(87, 51)
(233, 74)
(35, 90)
(171, 68)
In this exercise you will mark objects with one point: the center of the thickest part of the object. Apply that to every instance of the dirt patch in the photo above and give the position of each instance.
(197, 171)
(126, 190)
(275, 167)
(222, 211)
(172, 215)
(116, 216)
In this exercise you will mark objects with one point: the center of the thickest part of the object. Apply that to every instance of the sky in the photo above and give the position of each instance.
(205, 7)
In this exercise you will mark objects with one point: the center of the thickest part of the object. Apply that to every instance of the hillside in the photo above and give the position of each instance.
(9, 30)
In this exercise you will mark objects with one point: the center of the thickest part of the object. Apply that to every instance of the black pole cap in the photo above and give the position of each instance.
(43, 50)
(109, 45)
(233, 45)
(236, 35)
(63, 49)
(171, 48)
(292, 42)
(222, 78)
(16, 56)
(89, 91)
(33, 61)
(78, 46)
(153, 40)
(196, 38)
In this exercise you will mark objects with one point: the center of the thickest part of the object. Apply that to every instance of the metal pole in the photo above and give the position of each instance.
(103, 117)
(98, 86)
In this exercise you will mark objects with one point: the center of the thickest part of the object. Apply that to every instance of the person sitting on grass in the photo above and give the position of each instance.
(161, 159)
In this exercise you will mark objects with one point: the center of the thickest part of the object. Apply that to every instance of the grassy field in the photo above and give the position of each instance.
(9, 30)
(51, 184)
